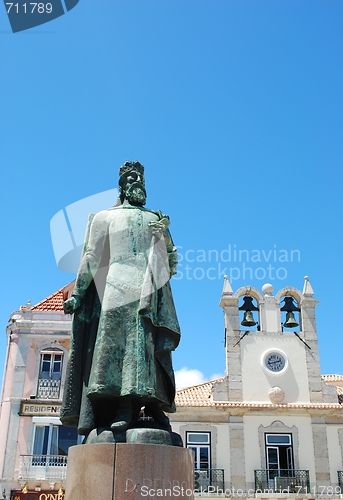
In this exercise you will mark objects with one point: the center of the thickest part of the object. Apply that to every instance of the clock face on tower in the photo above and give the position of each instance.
(274, 362)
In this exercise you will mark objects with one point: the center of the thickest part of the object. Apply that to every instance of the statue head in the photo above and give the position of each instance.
(131, 183)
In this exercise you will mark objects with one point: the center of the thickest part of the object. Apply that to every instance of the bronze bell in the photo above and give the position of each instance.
(290, 320)
(248, 319)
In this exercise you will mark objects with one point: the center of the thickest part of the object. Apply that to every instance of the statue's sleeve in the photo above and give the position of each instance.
(92, 255)
(171, 251)
(170, 247)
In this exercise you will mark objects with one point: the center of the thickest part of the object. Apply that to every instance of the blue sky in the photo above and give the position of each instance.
(235, 109)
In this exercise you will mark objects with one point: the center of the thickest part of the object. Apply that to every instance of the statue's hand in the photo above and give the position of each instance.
(159, 226)
(72, 304)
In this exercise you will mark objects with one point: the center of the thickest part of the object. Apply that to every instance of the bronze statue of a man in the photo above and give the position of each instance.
(124, 323)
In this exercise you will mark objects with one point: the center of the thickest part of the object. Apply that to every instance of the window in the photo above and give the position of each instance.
(200, 443)
(53, 439)
(50, 372)
(279, 454)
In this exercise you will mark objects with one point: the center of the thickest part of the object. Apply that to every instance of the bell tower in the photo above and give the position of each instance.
(271, 347)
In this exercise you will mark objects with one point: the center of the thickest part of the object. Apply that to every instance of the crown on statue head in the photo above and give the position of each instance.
(129, 166)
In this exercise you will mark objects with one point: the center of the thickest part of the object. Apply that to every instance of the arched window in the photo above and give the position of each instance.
(290, 317)
(248, 318)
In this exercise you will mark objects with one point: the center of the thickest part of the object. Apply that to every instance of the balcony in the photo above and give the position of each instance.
(52, 468)
(48, 388)
(282, 481)
(340, 480)
(208, 480)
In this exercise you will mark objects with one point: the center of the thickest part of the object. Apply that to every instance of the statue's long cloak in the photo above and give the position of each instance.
(88, 336)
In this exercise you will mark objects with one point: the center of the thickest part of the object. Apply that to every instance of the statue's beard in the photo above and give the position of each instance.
(136, 194)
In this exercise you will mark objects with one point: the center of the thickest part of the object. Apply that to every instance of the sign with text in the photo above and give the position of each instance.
(38, 495)
(30, 409)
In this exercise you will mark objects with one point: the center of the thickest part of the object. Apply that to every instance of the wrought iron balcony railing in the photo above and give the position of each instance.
(340, 480)
(48, 389)
(43, 467)
(282, 481)
(209, 480)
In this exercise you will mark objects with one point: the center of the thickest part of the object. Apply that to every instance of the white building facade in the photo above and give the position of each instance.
(33, 443)
(272, 426)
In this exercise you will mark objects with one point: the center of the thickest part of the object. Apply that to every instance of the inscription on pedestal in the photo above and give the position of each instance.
(159, 488)
(129, 472)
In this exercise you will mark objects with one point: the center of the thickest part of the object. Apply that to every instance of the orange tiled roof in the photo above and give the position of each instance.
(200, 395)
(197, 395)
(55, 301)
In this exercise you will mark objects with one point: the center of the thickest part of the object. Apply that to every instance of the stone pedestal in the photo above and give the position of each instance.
(126, 471)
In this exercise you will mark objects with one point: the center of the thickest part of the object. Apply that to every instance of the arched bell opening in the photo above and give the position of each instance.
(249, 313)
(290, 314)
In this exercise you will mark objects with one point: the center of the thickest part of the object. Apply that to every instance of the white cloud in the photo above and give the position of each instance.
(188, 376)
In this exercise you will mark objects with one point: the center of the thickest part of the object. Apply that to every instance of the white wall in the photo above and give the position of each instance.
(257, 383)
(335, 452)
(223, 450)
(252, 446)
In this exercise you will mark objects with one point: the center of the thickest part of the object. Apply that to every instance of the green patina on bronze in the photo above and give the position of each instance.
(124, 321)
